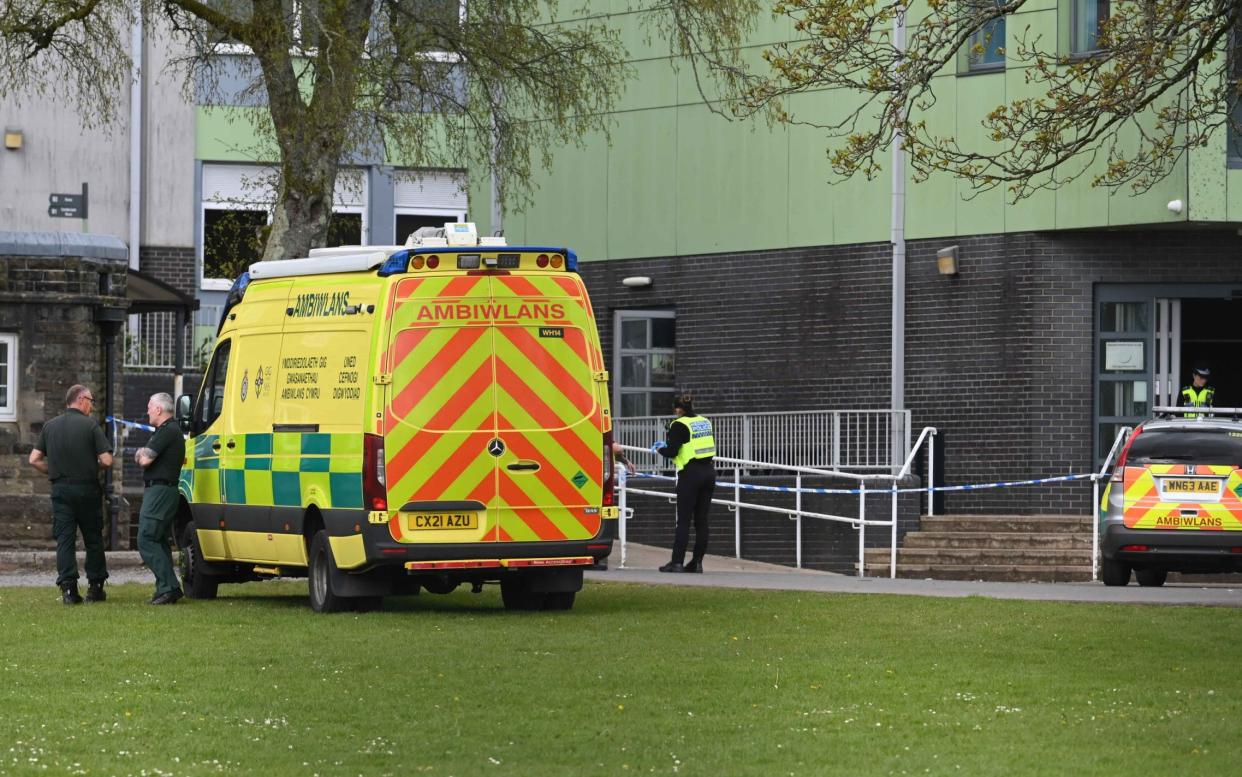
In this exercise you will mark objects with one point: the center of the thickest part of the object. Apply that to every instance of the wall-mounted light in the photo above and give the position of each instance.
(946, 260)
(636, 281)
(13, 139)
(1176, 206)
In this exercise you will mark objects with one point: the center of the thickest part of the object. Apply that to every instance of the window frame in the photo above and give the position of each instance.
(8, 410)
(618, 352)
(1076, 10)
(979, 37)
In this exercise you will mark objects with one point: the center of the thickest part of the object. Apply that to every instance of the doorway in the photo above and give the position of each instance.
(1148, 338)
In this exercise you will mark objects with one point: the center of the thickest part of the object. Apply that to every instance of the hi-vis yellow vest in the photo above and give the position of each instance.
(702, 444)
(1201, 398)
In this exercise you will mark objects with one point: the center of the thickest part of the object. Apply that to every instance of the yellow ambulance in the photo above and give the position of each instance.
(385, 421)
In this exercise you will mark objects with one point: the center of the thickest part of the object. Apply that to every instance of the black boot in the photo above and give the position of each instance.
(69, 594)
(673, 566)
(95, 593)
(695, 565)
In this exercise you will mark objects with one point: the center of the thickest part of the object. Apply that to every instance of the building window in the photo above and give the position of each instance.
(1087, 18)
(409, 220)
(232, 241)
(987, 47)
(644, 362)
(8, 377)
(1234, 142)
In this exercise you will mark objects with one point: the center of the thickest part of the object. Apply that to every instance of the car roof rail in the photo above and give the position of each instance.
(1199, 413)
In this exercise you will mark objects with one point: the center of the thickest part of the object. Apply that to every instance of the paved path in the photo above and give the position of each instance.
(36, 568)
(641, 565)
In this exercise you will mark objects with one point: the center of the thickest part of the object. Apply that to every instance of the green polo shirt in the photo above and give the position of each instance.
(72, 443)
(169, 448)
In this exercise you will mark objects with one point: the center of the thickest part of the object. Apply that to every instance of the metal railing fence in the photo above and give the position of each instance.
(646, 461)
(822, 439)
(150, 339)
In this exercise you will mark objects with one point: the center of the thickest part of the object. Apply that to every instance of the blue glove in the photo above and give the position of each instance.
(657, 446)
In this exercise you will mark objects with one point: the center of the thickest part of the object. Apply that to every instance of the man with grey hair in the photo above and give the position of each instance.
(71, 451)
(161, 458)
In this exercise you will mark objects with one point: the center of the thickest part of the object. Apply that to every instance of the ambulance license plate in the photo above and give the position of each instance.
(420, 521)
(1190, 486)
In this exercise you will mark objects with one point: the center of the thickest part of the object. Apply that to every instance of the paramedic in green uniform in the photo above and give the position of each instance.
(161, 458)
(71, 450)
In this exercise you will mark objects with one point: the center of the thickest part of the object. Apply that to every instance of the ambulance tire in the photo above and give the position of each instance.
(559, 600)
(319, 577)
(1151, 578)
(1114, 572)
(196, 583)
(517, 595)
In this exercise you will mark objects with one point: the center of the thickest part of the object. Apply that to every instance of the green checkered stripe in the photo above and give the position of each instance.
(278, 469)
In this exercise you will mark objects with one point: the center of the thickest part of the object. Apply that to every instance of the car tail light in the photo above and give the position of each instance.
(610, 472)
(374, 490)
(1119, 471)
(1135, 548)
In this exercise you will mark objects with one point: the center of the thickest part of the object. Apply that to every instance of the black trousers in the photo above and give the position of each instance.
(78, 506)
(695, 485)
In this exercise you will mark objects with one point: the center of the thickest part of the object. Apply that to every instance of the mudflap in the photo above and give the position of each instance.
(565, 580)
(373, 583)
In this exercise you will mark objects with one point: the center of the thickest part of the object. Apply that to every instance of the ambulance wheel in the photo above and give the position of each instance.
(319, 577)
(559, 600)
(197, 584)
(1114, 572)
(1151, 578)
(516, 595)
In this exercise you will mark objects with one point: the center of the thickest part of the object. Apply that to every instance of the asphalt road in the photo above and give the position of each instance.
(30, 568)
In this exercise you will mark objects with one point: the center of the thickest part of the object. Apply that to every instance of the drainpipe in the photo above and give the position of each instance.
(898, 239)
(135, 136)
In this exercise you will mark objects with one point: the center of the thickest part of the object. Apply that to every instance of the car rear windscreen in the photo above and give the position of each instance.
(1183, 447)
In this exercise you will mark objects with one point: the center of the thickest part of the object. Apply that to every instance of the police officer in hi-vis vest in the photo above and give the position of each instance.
(1199, 393)
(692, 447)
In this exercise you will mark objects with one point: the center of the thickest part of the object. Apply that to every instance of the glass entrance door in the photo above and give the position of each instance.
(1124, 371)
(1168, 351)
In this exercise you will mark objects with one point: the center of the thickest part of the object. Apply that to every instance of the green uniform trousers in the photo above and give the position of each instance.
(155, 523)
(78, 506)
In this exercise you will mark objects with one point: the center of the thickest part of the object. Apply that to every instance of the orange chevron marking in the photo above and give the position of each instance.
(540, 524)
(553, 370)
(401, 463)
(468, 452)
(461, 341)
(568, 439)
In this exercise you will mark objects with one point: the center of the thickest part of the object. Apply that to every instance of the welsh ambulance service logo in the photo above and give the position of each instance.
(258, 383)
(245, 384)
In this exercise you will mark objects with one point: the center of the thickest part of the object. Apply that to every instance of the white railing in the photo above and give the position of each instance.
(150, 339)
(820, 439)
(647, 461)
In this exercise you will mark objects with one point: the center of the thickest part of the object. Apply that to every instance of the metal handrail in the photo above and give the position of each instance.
(1096, 477)
(797, 513)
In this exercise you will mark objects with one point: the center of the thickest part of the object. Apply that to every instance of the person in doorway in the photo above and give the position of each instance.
(692, 447)
(71, 450)
(161, 458)
(618, 455)
(1198, 393)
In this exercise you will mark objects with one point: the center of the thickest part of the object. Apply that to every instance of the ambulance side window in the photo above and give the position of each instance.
(211, 401)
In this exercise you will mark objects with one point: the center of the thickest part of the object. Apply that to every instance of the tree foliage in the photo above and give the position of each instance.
(1156, 84)
(429, 82)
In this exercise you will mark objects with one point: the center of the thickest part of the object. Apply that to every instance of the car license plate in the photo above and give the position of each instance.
(421, 521)
(1190, 486)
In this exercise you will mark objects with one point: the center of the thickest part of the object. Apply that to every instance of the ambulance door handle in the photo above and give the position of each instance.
(231, 444)
(523, 466)
(215, 446)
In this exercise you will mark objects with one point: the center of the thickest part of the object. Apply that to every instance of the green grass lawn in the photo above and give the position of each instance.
(635, 679)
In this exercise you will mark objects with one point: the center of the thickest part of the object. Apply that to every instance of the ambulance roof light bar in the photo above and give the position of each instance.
(454, 234)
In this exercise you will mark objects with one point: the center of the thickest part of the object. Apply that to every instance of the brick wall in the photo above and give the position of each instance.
(50, 303)
(999, 357)
(176, 266)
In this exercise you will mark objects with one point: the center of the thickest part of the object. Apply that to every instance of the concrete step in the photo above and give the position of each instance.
(1014, 573)
(984, 556)
(1032, 524)
(974, 539)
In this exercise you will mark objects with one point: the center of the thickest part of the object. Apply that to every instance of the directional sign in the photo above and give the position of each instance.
(67, 206)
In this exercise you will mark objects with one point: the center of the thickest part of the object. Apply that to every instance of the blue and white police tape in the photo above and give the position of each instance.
(134, 424)
(880, 489)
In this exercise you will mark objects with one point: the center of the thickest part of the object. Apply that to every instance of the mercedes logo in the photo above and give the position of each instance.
(496, 447)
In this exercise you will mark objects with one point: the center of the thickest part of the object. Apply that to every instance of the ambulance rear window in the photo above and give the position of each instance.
(1172, 446)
